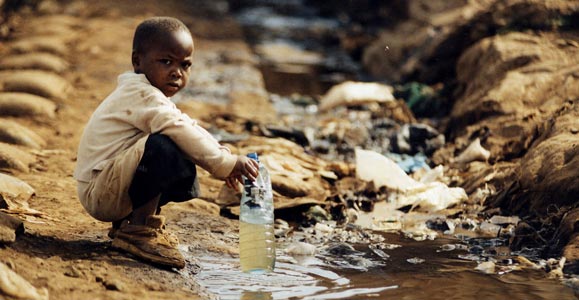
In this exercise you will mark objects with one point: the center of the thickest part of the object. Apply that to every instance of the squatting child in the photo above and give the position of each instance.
(138, 151)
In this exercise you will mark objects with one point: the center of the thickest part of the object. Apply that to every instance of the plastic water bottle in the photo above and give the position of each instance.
(256, 237)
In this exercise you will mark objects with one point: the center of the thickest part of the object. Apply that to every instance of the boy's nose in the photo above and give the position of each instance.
(176, 73)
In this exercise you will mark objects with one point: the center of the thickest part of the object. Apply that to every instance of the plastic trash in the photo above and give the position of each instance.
(256, 223)
(487, 267)
(383, 172)
(474, 152)
(300, 248)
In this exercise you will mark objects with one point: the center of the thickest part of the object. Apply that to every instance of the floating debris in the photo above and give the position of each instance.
(415, 260)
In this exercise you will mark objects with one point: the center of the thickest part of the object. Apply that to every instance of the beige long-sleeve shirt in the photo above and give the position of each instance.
(134, 109)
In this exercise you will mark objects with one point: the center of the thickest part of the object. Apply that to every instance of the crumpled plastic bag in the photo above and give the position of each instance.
(383, 172)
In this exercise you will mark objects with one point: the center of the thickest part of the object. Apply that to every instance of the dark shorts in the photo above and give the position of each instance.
(163, 169)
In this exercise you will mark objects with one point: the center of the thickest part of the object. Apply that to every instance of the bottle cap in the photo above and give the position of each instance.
(253, 156)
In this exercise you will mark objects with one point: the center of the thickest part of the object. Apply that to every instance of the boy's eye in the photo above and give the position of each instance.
(165, 61)
(186, 65)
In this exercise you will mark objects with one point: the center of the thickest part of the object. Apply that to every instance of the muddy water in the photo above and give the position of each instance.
(415, 270)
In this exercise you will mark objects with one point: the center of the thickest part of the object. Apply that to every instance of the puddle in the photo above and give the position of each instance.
(439, 269)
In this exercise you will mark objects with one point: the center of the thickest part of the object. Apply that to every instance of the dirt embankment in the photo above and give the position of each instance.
(510, 74)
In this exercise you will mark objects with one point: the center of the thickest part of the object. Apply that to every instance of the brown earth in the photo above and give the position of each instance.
(512, 75)
(64, 250)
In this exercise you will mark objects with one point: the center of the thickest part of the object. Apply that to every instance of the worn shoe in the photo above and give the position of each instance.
(157, 222)
(149, 244)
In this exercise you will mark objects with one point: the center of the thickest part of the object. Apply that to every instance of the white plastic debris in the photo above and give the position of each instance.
(375, 167)
(487, 267)
(355, 93)
(323, 228)
(415, 260)
(433, 175)
(383, 172)
(474, 152)
(300, 248)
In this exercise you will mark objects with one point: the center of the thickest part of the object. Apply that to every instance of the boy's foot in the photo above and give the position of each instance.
(154, 221)
(148, 243)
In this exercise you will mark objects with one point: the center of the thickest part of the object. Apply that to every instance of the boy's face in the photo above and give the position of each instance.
(167, 62)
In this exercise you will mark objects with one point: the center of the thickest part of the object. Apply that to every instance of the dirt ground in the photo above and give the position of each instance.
(65, 252)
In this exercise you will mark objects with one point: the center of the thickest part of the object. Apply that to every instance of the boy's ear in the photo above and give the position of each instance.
(135, 60)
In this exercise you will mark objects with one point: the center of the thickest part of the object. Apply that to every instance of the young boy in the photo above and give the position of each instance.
(138, 151)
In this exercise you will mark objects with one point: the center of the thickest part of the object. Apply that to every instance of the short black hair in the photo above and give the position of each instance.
(151, 29)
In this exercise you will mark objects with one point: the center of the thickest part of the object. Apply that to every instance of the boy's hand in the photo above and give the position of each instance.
(244, 166)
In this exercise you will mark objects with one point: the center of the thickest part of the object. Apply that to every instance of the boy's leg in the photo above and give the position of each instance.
(163, 175)
(163, 170)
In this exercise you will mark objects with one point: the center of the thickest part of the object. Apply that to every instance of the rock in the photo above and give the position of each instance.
(26, 105)
(9, 227)
(41, 83)
(14, 286)
(352, 93)
(13, 133)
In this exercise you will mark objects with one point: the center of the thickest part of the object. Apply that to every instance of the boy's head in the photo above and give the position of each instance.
(162, 51)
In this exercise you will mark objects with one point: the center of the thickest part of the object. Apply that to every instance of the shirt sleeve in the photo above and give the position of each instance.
(160, 115)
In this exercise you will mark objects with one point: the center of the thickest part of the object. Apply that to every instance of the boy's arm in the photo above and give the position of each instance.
(202, 148)
(196, 142)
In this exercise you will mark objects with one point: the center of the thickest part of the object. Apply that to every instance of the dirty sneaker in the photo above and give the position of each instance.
(157, 222)
(149, 244)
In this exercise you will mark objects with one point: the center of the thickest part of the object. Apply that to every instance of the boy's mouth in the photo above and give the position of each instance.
(174, 85)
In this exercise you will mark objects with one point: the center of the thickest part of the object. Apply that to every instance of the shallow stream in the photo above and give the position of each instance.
(400, 274)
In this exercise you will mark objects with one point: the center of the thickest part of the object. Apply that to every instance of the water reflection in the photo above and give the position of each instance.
(442, 275)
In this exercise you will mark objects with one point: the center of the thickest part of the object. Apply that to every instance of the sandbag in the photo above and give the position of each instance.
(51, 44)
(12, 158)
(38, 61)
(39, 83)
(14, 133)
(26, 105)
